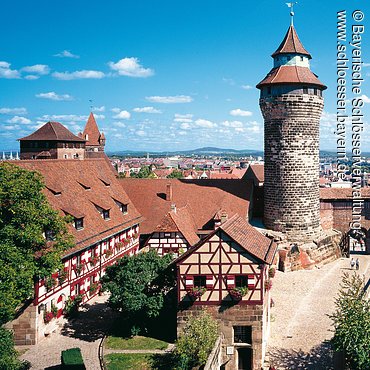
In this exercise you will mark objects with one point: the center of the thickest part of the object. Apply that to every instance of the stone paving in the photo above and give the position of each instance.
(300, 326)
(86, 332)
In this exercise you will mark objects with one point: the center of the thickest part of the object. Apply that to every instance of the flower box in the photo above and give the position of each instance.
(268, 284)
(272, 272)
(196, 292)
(238, 293)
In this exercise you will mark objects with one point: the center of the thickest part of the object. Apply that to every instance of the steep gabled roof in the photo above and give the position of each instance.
(202, 197)
(65, 194)
(52, 131)
(92, 131)
(255, 172)
(246, 236)
(291, 44)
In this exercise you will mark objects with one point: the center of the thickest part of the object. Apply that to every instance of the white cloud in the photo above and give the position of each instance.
(365, 99)
(241, 113)
(32, 77)
(366, 65)
(123, 114)
(67, 117)
(170, 99)
(115, 110)
(232, 124)
(140, 133)
(119, 124)
(247, 87)
(229, 81)
(54, 96)
(11, 127)
(185, 126)
(13, 111)
(130, 67)
(41, 69)
(66, 54)
(7, 72)
(78, 75)
(183, 118)
(99, 109)
(147, 110)
(205, 123)
(19, 119)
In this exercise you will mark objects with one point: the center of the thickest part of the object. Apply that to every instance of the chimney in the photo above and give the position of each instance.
(224, 217)
(169, 192)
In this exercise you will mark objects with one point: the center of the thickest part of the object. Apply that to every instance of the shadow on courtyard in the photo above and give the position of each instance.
(93, 321)
(321, 357)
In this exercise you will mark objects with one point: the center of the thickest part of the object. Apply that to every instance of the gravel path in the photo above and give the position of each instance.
(85, 332)
(300, 326)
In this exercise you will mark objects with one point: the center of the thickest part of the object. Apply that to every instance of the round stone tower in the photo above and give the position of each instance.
(291, 102)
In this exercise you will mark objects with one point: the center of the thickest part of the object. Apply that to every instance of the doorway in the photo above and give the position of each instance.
(245, 359)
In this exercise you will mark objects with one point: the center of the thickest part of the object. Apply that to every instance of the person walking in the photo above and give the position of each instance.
(357, 264)
(352, 263)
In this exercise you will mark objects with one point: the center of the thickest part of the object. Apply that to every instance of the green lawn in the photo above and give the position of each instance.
(139, 361)
(120, 361)
(137, 342)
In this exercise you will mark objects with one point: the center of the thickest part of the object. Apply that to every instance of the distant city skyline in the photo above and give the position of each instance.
(161, 76)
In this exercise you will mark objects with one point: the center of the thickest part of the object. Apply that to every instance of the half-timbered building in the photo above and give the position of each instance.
(228, 274)
(105, 227)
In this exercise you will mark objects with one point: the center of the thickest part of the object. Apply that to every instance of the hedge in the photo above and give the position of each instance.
(72, 359)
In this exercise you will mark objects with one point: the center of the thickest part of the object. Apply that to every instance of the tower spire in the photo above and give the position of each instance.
(291, 6)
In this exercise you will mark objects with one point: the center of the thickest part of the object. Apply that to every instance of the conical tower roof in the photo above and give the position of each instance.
(92, 131)
(291, 44)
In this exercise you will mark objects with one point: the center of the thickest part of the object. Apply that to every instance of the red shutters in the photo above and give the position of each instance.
(251, 281)
(230, 281)
(209, 281)
(189, 282)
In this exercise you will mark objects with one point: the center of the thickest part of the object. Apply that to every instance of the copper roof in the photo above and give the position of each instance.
(53, 131)
(92, 130)
(291, 44)
(246, 236)
(291, 75)
(202, 197)
(68, 196)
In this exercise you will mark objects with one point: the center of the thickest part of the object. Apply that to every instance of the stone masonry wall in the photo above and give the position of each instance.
(291, 187)
(227, 317)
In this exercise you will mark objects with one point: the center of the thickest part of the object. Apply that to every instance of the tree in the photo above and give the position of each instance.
(175, 174)
(145, 172)
(25, 255)
(138, 285)
(197, 341)
(352, 322)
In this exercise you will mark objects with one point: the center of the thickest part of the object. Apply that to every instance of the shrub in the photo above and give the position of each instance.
(48, 316)
(54, 310)
(71, 307)
(72, 359)
(93, 288)
(272, 272)
(62, 277)
(50, 283)
(197, 341)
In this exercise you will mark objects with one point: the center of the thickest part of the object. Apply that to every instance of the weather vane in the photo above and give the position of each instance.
(291, 6)
(91, 104)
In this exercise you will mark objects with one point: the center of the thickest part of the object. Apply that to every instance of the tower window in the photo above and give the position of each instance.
(200, 281)
(269, 90)
(305, 90)
(301, 59)
(105, 214)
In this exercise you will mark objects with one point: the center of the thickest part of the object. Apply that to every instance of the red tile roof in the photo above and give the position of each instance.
(52, 131)
(291, 44)
(252, 241)
(202, 197)
(68, 196)
(341, 193)
(255, 172)
(92, 131)
(291, 75)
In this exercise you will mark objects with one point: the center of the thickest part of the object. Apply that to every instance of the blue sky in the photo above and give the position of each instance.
(163, 75)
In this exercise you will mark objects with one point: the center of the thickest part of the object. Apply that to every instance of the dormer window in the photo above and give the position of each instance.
(79, 223)
(105, 182)
(105, 214)
(49, 235)
(122, 207)
(85, 186)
